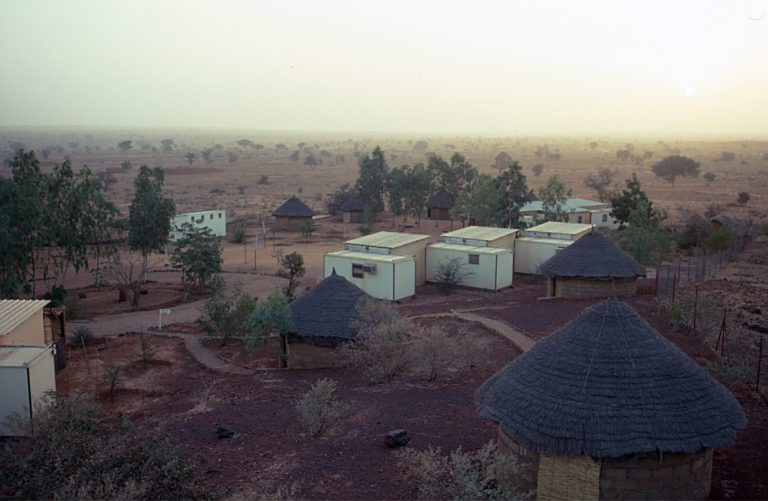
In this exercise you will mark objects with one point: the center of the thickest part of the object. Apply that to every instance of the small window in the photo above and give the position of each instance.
(357, 270)
(474, 258)
(219, 215)
(605, 218)
(211, 216)
(580, 220)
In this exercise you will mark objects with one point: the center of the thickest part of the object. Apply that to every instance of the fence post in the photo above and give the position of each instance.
(695, 307)
(759, 363)
(656, 285)
(674, 283)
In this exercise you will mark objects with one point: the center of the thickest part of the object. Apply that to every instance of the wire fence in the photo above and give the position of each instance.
(685, 271)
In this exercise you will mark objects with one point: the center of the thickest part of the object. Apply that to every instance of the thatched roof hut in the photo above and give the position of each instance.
(736, 227)
(440, 204)
(291, 214)
(322, 319)
(352, 210)
(590, 267)
(611, 390)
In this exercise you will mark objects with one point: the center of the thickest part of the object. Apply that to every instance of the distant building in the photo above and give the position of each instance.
(541, 242)
(439, 205)
(352, 210)
(291, 214)
(579, 210)
(214, 220)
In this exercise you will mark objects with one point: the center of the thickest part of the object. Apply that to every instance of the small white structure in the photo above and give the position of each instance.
(543, 241)
(393, 243)
(383, 276)
(482, 236)
(26, 374)
(215, 220)
(22, 323)
(579, 210)
(486, 267)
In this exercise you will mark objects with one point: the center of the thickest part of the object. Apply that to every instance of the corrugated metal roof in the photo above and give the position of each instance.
(480, 233)
(562, 228)
(367, 256)
(469, 248)
(388, 239)
(15, 311)
(199, 212)
(571, 205)
(552, 241)
(21, 356)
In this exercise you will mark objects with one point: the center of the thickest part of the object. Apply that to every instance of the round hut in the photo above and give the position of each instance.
(606, 407)
(352, 210)
(590, 268)
(290, 215)
(322, 318)
(439, 205)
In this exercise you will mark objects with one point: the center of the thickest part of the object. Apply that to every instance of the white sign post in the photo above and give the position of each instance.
(161, 312)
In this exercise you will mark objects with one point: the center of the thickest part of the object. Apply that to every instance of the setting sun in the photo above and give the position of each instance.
(689, 91)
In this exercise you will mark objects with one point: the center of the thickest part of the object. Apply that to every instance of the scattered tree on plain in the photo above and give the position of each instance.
(190, 157)
(149, 216)
(709, 177)
(672, 167)
(168, 144)
(271, 319)
(601, 181)
(743, 198)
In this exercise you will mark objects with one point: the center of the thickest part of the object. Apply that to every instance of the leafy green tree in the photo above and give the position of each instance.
(502, 161)
(479, 205)
(513, 193)
(695, 233)
(537, 169)
(207, 155)
(722, 239)
(671, 167)
(397, 185)
(292, 268)
(149, 216)
(307, 228)
(372, 183)
(198, 255)
(271, 320)
(226, 316)
(644, 237)
(630, 198)
(456, 178)
(418, 185)
(601, 182)
(554, 196)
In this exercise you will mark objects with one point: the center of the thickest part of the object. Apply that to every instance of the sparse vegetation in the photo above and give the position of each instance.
(319, 408)
(450, 274)
(226, 316)
(82, 336)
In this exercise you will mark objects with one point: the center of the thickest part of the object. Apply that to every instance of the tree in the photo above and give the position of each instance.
(190, 157)
(168, 144)
(311, 160)
(198, 255)
(371, 183)
(455, 178)
(397, 185)
(207, 155)
(675, 166)
(722, 239)
(149, 215)
(601, 182)
(502, 161)
(695, 233)
(232, 157)
(709, 177)
(125, 146)
(537, 169)
(307, 228)
(292, 268)
(512, 188)
(226, 316)
(625, 202)
(271, 319)
(246, 143)
(479, 205)
(126, 270)
(743, 198)
(644, 237)
(334, 201)
(554, 196)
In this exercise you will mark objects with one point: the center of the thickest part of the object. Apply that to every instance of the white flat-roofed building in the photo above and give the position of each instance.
(394, 243)
(483, 267)
(482, 236)
(383, 276)
(214, 220)
(26, 374)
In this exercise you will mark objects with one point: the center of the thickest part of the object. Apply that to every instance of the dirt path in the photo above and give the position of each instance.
(517, 338)
(192, 342)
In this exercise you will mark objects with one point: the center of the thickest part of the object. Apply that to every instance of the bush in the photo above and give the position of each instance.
(464, 475)
(729, 373)
(743, 198)
(318, 408)
(435, 352)
(238, 233)
(451, 273)
(695, 233)
(365, 229)
(70, 456)
(111, 380)
(722, 239)
(226, 316)
(82, 336)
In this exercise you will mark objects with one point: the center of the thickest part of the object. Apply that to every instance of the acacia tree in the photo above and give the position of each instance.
(372, 183)
(149, 216)
(124, 147)
(554, 196)
(675, 166)
(601, 182)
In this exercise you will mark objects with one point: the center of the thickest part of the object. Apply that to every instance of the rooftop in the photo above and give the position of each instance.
(387, 239)
(14, 312)
(293, 207)
(562, 228)
(480, 233)
(571, 205)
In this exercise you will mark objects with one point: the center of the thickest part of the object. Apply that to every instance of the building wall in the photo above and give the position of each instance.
(492, 272)
(215, 220)
(671, 476)
(284, 223)
(581, 288)
(30, 331)
(438, 213)
(531, 253)
(308, 356)
(419, 251)
(352, 216)
(22, 388)
(392, 280)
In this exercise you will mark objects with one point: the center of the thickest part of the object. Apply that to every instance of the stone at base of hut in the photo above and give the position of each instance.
(397, 438)
(224, 431)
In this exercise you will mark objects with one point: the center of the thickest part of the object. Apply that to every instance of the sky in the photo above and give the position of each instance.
(683, 68)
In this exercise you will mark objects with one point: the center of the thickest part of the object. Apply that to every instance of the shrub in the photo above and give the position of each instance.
(743, 198)
(148, 351)
(434, 352)
(451, 273)
(695, 233)
(713, 210)
(464, 475)
(319, 407)
(111, 380)
(70, 456)
(729, 373)
(82, 336)
(365, 229)
(226, 316)
(238, 233)
(722, 239)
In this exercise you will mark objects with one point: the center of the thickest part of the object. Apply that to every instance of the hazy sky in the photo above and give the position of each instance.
(640, 67)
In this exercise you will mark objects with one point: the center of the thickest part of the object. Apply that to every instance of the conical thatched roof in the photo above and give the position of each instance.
(293, 207)
(606, 385)
(327, 308)
(735, 226)
(353, 203)
(592, 256)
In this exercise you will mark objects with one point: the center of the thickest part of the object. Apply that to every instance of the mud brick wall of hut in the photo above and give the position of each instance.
(674, 476)
(580, 288)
